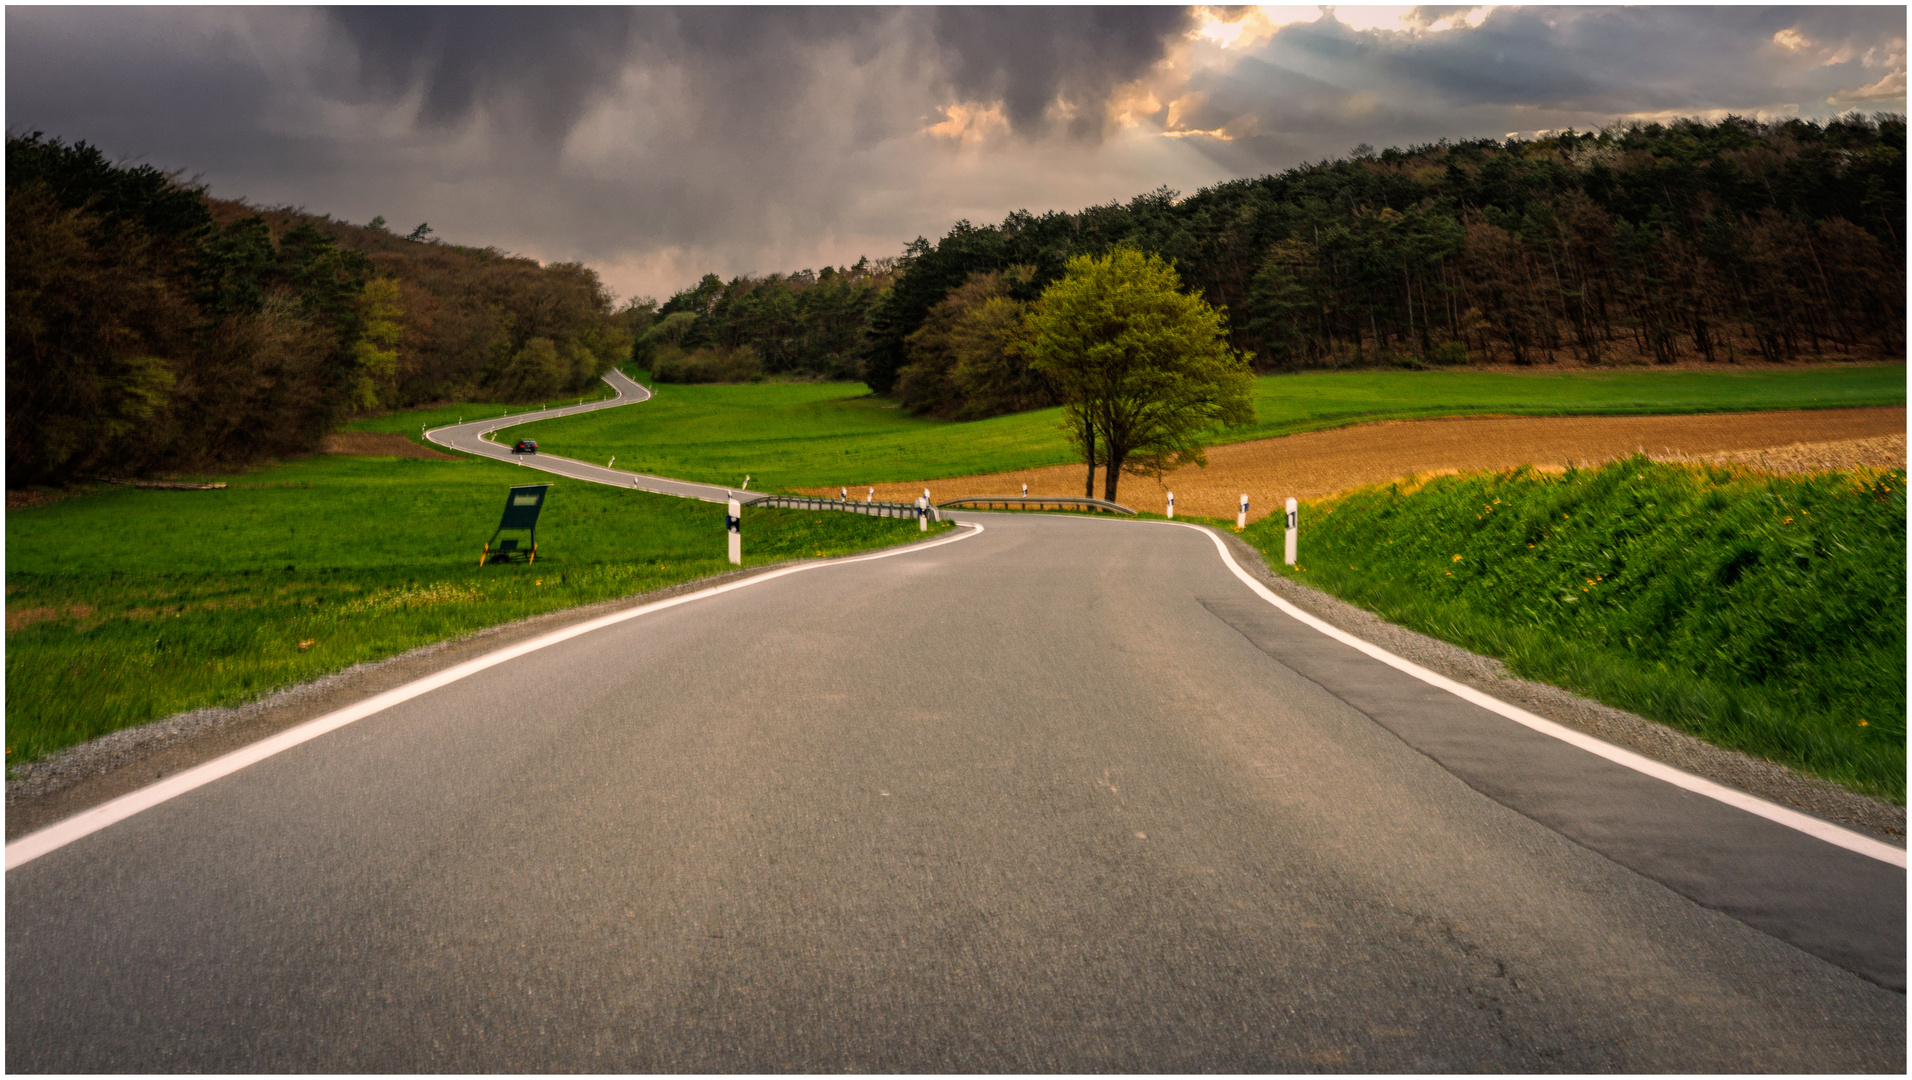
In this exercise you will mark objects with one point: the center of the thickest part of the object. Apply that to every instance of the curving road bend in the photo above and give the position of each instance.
(470, 438)
(1058, 794)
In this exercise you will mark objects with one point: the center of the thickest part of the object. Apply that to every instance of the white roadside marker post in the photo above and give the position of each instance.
(922, 515)
(746, 481)
(1241, 519)
(1288, 544)
(843, 493)
(1025, 491)
(871, 497)
(734, 522)
(611, 462)
(1171, 506)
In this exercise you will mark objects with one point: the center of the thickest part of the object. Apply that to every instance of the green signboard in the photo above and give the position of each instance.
(521, 515)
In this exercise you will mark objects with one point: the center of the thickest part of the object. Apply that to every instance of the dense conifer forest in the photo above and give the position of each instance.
(1641, 244)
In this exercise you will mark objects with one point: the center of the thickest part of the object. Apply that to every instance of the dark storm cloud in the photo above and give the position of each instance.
(545, 64)
(551, 59)
(1027, 57)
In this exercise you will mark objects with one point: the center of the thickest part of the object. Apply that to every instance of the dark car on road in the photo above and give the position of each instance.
(525, 446)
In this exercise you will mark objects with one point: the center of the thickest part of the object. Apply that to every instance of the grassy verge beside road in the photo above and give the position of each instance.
(795, 435)
(1756, 612)
(130, 605)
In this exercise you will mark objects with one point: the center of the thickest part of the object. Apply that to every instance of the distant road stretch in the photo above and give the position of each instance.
(470, 439)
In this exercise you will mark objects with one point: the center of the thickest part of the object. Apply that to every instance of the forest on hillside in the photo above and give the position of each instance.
(815, 323)
(151, 328)
(1639, 244)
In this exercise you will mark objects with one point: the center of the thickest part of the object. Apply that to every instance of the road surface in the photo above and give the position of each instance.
(1053, 796)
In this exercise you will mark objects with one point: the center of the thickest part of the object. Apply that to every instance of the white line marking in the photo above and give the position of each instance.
(1792, 819)
(53, 837)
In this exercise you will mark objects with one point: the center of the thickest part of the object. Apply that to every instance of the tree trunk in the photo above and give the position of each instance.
(1088, 447)
(1111, 477)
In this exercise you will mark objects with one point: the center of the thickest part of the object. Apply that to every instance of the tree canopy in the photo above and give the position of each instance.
(151, 328)
(1145, 369)
(1640, 243)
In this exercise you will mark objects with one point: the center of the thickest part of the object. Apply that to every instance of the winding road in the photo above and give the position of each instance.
(470, 438)
(1050, 794)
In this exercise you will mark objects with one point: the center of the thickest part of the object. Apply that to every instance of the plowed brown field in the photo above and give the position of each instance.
(1320, 463)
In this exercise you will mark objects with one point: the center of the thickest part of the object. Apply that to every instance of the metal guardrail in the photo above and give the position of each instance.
(811, 502)
(1037, 502)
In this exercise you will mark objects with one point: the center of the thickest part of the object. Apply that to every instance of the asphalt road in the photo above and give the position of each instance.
(1056, 796)
(470, 439)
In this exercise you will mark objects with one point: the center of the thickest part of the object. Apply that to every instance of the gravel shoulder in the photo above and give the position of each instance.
(1757, 776)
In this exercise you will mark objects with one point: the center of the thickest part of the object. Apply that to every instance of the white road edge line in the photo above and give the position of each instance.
(1792, 819)
(56, 836)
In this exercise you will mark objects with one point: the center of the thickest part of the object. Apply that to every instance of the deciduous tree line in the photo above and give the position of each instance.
(150, 328)
(808, 323)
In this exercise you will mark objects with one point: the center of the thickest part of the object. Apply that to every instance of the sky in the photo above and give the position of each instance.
(658, 144)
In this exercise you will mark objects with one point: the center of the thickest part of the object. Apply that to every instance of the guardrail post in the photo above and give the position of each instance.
(1241, 519)
(1171, 506)
(734, 521)
(1288, 544)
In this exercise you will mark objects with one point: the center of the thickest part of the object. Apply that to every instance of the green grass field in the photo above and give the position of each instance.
(414, 422)
(130, 605)
(1761, 613)
(794, 435)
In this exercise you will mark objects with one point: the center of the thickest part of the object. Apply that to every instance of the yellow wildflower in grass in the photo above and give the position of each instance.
(1457, 558)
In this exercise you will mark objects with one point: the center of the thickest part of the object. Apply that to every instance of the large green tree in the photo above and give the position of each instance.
(1145, 368)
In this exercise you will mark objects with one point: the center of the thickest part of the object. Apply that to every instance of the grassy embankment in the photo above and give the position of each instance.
(130, 605)
(1761, 613)
(793, 435)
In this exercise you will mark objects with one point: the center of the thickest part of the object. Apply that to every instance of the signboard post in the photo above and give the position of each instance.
(522, 506)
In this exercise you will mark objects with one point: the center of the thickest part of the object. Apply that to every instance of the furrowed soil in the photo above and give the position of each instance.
(1317, 463)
